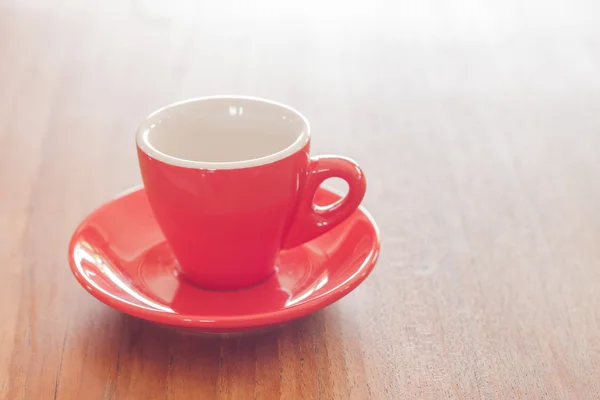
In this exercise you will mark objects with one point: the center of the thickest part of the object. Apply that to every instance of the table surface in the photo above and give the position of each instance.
(478, 128)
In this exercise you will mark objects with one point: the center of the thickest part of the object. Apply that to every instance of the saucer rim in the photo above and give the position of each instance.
(244, 321)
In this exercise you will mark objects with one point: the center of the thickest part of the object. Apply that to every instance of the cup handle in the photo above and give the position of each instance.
(311, 220)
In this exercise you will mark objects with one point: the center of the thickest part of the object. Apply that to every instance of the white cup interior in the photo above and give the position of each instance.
(223, 132)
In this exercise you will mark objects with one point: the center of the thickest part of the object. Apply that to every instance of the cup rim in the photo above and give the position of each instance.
(145, 146)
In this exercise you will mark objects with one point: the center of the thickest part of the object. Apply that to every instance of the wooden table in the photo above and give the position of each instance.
(478, 127)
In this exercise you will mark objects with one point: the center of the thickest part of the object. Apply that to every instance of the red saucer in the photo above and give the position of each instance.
(120, 256)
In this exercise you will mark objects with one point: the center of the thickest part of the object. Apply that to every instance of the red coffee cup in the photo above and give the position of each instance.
(231, 184)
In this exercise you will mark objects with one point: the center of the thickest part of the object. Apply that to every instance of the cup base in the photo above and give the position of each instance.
(224, 287)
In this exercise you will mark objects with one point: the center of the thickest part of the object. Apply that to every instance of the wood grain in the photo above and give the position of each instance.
(476, 122)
